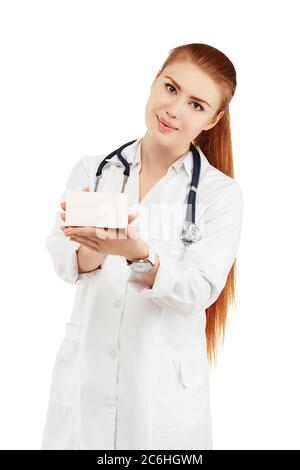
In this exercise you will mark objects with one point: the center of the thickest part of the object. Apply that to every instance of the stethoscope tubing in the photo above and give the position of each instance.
(191, 231)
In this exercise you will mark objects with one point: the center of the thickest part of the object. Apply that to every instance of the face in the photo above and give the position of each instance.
(172, 102)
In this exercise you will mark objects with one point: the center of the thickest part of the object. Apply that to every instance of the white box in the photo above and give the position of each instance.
(96, 209)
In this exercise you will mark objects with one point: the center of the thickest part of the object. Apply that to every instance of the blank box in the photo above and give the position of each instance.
(93, 209)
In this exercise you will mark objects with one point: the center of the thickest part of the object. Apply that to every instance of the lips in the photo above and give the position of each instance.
(166, 123)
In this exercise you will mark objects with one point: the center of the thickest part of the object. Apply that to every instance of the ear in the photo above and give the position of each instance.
(212, 124)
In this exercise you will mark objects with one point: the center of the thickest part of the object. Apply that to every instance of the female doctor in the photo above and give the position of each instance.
(132, 371)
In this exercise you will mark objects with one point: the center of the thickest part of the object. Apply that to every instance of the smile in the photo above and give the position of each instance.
(164, 127)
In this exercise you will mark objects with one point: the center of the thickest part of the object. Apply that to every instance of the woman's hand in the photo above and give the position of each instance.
(87, 243)
(123, 242)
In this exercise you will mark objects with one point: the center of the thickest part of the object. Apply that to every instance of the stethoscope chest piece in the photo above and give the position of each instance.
(191, 233)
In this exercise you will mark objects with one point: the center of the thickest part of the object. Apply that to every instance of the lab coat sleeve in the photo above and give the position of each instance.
(61, 249)
(195, 282)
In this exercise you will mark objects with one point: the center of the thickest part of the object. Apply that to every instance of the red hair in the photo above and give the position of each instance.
(217, 147)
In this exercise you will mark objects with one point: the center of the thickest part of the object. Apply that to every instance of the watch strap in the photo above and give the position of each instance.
(150, 258)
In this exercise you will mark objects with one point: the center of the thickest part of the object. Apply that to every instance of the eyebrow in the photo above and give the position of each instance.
(191, 97)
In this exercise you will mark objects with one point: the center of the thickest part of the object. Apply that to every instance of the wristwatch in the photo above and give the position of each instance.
(143, 265)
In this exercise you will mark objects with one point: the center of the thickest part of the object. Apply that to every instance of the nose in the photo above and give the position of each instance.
(174, 111)
(172, 117)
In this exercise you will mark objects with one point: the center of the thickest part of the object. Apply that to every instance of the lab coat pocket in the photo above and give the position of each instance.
(180, 388)
(65, 372)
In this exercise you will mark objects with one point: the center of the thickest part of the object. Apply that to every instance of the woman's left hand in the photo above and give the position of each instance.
(123, 242)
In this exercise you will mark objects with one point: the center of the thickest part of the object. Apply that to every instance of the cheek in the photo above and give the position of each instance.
(197, 124)
(157, 103)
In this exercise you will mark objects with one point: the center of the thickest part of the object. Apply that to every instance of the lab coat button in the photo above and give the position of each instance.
(111, 405)
(113, 354)
(117, 303)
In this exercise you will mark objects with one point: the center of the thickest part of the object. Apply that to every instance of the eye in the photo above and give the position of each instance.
(169, 84)
(198, 104)
(194, 102)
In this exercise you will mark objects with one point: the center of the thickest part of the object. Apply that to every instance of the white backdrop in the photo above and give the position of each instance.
(75, 78)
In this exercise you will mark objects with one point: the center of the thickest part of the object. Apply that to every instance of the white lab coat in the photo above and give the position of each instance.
(132, 371)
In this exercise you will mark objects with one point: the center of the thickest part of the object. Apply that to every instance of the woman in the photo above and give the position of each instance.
(133, 369)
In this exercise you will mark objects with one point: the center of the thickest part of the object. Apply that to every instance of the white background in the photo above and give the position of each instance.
(75, 78)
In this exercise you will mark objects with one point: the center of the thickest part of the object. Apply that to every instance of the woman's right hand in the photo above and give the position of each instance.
(88, 257)
(85, 244)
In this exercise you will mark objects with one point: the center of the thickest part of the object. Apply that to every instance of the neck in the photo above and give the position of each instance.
(156, 158)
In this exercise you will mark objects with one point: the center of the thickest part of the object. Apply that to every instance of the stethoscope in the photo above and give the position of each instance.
(191, 232)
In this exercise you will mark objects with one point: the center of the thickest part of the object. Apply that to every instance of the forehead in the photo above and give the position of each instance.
(194, 81)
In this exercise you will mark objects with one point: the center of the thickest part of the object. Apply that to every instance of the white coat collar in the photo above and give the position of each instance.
(132, 153)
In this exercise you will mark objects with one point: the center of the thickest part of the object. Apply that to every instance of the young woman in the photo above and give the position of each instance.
(132, 371)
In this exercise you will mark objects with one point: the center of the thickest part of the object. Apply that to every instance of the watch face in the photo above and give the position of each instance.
(141, 267)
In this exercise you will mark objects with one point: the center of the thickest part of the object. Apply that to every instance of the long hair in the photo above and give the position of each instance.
(217, 147)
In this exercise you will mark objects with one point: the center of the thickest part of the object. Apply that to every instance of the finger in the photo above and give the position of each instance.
(63, 229)
(92, 239)
(122, 234)
(68, 230)
(62, 216)
(111, 233)
(101, 233)
(131, 218)
(81, 231)
(132, 233)
(86, 242)
(63, 205)
(86, 188)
